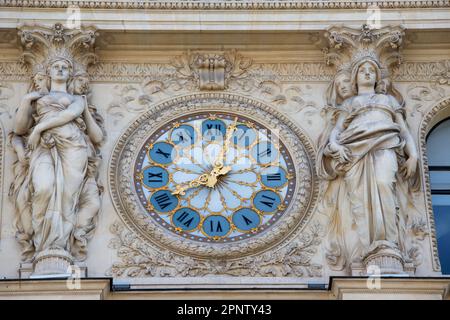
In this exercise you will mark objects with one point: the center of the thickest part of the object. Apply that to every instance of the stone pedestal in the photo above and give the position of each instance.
(383, 258)
(52, 263)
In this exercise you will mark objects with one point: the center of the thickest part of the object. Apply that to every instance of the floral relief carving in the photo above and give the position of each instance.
(210, 71)
(139, 259)
(14, 71)
(268, 82)
(430, 71)
(421, 96)
(288, 99)
(443, 73)
(6, 93)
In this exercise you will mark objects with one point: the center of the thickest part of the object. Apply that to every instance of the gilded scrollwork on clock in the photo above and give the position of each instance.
(213, 176)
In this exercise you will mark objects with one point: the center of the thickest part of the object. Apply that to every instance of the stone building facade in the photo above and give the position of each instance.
(222, 144)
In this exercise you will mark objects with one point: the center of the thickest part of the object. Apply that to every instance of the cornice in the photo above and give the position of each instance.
(225, 4)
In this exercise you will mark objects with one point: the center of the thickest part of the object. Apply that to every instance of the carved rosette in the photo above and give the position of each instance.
(135, 216)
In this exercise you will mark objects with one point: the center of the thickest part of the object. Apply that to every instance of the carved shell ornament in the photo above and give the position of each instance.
(213, 175)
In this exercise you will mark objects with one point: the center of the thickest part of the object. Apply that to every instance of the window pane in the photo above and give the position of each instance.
(441, 209)
(438, 145)
(440, 180)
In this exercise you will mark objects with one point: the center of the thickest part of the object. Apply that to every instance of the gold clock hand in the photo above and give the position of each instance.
(219, 169)
(201, 180)
(226, 145)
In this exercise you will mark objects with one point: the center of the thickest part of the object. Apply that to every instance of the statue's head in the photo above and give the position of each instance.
(340, 89)
(343, 85)
(80, 83)
(60, 69)
(40, 82)
(365, 73)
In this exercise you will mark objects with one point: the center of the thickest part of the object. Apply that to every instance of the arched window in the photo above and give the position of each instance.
(438, 147)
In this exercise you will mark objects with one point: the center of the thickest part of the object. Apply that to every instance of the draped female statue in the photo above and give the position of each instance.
(368, 157)
(56, 136)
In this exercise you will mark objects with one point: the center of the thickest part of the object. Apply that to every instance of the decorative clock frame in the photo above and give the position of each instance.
(137, 219)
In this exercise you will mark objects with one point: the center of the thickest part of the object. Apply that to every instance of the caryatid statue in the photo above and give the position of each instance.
(369, 158)
(56, 135)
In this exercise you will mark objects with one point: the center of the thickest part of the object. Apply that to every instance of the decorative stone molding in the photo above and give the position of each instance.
(14, 71)
(39, 43)
(421, 96)
(225, 4)
(347, 45)
(304, 71)
(408, 71)
(52, 261)
(136, 218)
(443, 74)
(139, 72)
(437, 72)
(424, 128)
(210, 71)
(6, 93)
(387, 259)
(135, 99)
(140, 259)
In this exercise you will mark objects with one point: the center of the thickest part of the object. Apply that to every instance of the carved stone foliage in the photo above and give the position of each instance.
(443, 73)
(139, 259)
(271, 83)
(436, 72)
(210, 71)
(289, 99)
(421, 96)
(136, 218)
(278, 72)
(40, 43)
(14, 71)
(6, 93)
(56, 136)
(346, 45)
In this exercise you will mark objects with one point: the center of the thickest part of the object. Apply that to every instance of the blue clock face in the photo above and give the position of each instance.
(214, 177)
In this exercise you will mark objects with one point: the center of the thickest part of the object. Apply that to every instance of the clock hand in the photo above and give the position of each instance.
(218, 164)
(210, 180)
(201, 180)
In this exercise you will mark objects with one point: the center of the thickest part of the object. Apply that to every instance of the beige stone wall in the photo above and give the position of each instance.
(136, 70)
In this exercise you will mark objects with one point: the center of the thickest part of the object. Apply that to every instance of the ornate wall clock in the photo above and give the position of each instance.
(213, 175)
